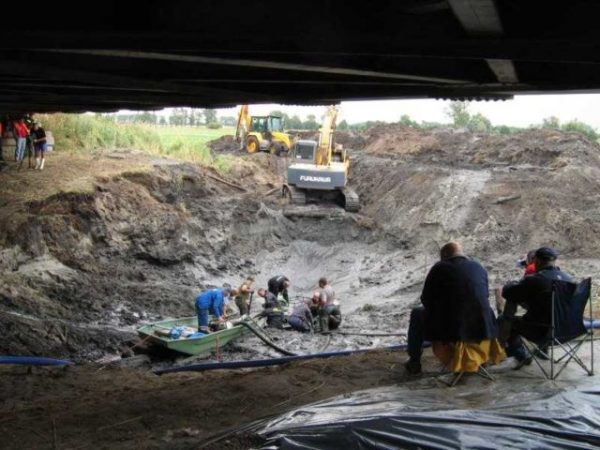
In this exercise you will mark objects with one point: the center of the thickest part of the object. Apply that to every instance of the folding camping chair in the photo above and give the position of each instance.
(566, 330)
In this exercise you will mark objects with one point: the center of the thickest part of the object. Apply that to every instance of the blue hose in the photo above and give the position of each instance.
(270, 362)
(593, 324)
(33, 361)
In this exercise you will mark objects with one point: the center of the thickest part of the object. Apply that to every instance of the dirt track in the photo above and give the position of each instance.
(133, 239)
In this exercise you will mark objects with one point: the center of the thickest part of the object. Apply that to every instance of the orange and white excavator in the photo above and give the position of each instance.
(261, 133)
(319, 170)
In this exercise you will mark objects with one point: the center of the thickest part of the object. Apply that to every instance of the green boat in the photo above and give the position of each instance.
(154, 333)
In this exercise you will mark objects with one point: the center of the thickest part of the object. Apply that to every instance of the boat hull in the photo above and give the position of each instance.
(204, 345)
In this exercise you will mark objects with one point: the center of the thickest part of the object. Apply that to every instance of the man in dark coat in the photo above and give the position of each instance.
(534, 293)
(279, 285)
(455, 307)
(272, 309)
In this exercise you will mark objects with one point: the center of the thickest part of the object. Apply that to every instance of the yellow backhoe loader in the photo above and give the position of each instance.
(319, 170)
(261, 133)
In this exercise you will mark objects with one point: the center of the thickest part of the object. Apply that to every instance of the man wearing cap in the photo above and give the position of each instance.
(212, 302)
(534, 293)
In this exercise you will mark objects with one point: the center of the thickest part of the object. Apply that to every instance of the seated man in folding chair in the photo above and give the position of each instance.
(534, 293)
(456, 316)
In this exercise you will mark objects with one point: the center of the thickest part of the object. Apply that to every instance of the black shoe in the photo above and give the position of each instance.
(523, 362)
(413, 367)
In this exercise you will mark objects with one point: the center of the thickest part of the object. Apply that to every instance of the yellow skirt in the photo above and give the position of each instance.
(468, 356)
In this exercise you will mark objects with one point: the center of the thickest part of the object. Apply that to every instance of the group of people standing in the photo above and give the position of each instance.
(321, 310)
(30, 139)
(456, 309)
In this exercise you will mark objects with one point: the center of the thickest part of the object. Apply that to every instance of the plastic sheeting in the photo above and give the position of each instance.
(519, 412)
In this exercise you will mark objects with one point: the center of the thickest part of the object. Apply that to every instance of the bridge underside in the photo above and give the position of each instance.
(111, 55)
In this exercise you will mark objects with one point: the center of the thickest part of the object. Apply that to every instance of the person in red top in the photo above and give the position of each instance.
(529, 264)
(21, 132)
(530, 269)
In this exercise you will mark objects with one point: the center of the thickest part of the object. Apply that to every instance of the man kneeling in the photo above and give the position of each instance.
(301, 319)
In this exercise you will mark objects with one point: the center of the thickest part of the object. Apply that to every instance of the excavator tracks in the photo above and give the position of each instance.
(296, 196)
(351, 203)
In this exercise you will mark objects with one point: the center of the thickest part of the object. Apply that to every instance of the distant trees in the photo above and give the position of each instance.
(553, 123)
(461, 117)
(582, 128)
(293, 123)
(228, 121)
(210, 116)
(310, 123)
(459, 114)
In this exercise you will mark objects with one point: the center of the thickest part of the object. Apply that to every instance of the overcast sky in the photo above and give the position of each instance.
(522, 111)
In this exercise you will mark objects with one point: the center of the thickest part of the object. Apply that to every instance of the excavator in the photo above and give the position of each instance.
(319, 169)
(261, 133)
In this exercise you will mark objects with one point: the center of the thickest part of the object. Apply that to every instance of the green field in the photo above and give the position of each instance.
(86, 133)
(170, 136)
(190, 144)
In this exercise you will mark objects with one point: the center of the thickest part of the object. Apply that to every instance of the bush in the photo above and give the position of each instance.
(581, 128)
(214, 125)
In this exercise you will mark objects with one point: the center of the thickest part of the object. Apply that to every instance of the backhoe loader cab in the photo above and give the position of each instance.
(264, 124)
(261, 133)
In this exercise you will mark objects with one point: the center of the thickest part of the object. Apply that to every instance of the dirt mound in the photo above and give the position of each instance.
(398, 140)
(537, 148)
(225, 144)
(138, 247)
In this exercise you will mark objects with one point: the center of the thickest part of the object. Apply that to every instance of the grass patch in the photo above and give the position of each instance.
(87, 133)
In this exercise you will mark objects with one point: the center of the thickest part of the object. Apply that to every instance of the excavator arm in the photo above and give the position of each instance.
(325, 145)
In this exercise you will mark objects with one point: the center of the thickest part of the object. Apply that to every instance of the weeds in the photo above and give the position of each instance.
(86, 133)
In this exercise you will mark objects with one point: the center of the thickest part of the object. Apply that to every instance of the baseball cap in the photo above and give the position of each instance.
(546, 253)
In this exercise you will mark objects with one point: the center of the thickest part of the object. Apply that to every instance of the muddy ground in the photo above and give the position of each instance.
(90, 248)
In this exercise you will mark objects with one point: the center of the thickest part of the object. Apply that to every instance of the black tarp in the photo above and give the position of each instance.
(515, 413)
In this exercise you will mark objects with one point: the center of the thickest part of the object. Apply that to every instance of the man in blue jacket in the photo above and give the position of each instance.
(212, 302)
(455, 305)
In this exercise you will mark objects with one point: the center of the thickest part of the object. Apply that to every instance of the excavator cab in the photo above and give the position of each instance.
(305, 151)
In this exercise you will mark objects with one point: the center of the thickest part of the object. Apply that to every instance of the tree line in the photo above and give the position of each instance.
(458, 112)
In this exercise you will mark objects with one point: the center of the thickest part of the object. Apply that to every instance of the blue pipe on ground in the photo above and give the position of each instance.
(33, 361)
(41, 361)
(270, 362)
(594, 324)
